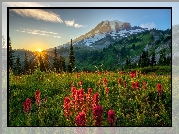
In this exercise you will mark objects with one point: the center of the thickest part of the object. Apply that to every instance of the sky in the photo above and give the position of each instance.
(47, 28)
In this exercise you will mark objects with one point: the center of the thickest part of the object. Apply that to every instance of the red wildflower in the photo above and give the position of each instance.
(66, 106)
(89, 98)
(98, 82)
(107, 90)
(159, 88)
(73, 90)
(105, 81)
(27, 105)
(37, 97)
(125, 84)
(135, 85)
(81, 119)
(81, 83)
(119, 81)
(97, 115)
(96, 99)
(90, 91)
(144, 85)
(132, 74)
(111, 117)
(99, 72)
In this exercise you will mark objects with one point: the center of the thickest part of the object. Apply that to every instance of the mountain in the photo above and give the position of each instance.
(104, 34)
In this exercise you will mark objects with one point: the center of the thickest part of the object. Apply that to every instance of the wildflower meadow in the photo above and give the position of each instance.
(100, 98)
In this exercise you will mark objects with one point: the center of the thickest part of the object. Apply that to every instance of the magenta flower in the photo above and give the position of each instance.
(27, 105)
(159, 88)
(81, 119)
(37, 97)
(97, 115)
(111, 117)
(66, 106)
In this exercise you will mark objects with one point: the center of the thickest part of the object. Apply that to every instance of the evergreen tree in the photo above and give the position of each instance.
(11, 56)
(55, 60)
(168, 61)
(153, 61)
(42, 66)
(46, 62)
(128, 63)
(162, 60)
(18, 65)
(26, 64)
(71, 59)
(143, 59)
(147, 59)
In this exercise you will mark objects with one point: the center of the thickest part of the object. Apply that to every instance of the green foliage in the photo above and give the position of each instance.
(11, 56)
(18, 66)
(26, 64)
(133, 107)
(71, 59)
(160, 70)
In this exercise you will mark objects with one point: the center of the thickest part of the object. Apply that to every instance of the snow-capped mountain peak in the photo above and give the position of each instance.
(100, 35)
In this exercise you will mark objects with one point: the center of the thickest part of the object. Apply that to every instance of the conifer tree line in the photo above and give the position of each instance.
(145, 60)
(42, 62)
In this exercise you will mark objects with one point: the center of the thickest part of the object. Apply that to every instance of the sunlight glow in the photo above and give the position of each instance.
(39, 50)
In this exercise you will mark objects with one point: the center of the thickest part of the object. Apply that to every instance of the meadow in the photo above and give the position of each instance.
(100, 98)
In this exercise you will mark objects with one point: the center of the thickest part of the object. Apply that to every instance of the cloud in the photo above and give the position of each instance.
(38, 14)
(72, 23)
(148, 25)
(39, 32)
(69, 23)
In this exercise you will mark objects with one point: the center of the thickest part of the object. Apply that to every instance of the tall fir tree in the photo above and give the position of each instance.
(41, 62)
(11, 56)
(153, 61)
(46, 62)
(26, 63)
(162, 60)
(55, 60)
(18, 65)
(71, 59)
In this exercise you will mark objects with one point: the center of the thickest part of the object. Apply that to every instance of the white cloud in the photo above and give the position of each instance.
(77, 25)
(69, 23)
(38, 14)
(72, 23)
(39, 32)
(148, 25)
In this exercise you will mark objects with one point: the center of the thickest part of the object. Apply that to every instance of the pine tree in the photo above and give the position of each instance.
(71, 59)
(46, 62)
(162, 60)
(11, 56)
(153, 61)
(26, 64)
(18, 65)
(55, 60)
(42, 66)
